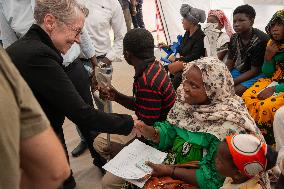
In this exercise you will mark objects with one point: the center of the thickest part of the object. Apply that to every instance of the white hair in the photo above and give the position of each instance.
(64, 10)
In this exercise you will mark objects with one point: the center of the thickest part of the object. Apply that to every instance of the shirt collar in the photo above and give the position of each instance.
(142, 67)
(36, 31)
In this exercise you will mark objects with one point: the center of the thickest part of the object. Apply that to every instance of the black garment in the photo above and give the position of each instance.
(81, 81)
(40, 64)
(137, 20)
(191, 48)
(250, 55)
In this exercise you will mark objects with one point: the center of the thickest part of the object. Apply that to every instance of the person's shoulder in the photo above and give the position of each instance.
(200, 33)
(155, 75)
(32, 49)
(261, 35)
(114, 4)
(234, 36)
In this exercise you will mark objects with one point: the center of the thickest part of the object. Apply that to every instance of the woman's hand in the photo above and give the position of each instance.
(160, 170)
(270, 51)
(175, 67)
(163, 45)
(266, 93)
(148, 132)
(172, 58)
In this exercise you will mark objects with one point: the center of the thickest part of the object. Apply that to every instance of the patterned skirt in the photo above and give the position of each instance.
(263, 111)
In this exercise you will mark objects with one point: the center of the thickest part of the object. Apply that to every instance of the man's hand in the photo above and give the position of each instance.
(266, 93)
(106, 61)
(108, 93)
(133, 4)
(160, 170)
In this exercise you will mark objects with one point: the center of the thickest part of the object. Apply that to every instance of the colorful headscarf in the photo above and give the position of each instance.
(278, 15)
(224, 105)
(223, 20)
(248, 153)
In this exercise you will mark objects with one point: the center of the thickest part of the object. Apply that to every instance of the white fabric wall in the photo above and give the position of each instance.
(169, 10)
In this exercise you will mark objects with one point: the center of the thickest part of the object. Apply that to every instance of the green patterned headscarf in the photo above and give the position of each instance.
(278, 15)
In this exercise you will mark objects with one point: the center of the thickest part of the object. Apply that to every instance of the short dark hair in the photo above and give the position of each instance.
(140, 42)
(245, 9)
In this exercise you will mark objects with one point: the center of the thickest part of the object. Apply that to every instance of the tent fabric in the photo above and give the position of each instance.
(171, 18)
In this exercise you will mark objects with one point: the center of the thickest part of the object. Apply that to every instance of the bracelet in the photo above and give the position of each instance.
(156, 134)
(173, 172)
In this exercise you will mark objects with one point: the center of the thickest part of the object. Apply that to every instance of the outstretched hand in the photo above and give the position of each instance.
(108, 93)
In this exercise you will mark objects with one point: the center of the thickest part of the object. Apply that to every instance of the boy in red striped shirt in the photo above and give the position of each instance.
(153, 92)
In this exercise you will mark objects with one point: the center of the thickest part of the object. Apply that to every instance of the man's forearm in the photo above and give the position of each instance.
(126, 101)
(245, 76)
(230, 64)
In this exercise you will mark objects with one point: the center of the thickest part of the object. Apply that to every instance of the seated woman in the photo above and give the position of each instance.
(215, 41)
(266, 96)
(246, 49)
(205, 112)
(192, 46)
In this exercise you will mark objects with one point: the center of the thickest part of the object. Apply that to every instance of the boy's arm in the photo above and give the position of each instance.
(254, 71)
(126, 101)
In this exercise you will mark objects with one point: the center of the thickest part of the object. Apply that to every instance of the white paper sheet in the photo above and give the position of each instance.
(129, 162)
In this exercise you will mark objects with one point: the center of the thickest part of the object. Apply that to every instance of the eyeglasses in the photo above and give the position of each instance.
(76, 30)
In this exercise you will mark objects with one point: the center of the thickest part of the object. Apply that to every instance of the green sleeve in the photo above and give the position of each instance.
(167, 135)
(279, 88)
(279, 57)
(268, 68)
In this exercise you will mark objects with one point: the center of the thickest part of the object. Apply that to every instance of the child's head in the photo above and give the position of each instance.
(243, 18)
(275, 27)
(241, 157)
(138, 43)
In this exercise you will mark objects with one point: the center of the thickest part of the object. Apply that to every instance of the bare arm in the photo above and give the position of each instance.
(126, 101)
(175, 67)
(230, 64)
(186, 175)
(247, 75)
(43, 161)
(221, 55)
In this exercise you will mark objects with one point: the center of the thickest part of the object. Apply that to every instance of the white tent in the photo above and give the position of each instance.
(171, 19)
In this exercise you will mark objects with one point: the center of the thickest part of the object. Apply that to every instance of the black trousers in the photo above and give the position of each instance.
(137, 20)
(80, 79)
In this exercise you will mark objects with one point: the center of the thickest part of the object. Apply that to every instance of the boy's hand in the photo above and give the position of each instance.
(108, 93)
